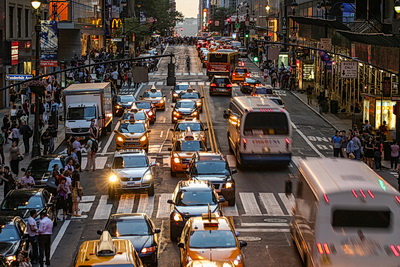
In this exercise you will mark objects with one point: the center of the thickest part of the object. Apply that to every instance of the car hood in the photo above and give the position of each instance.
(185, 154)
(132, 135)
(8, 248)
(153, 99)
(222, 254)
(196, 210)
(185, 110)
(41, 175)
(131, 172)
(125, 104)
(139, 242)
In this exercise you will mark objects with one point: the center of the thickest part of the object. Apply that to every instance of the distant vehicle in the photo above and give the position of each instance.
(149, 108)
(248, 84)
(345, 215)
(179, 87)
(137, 116)
(132, 134)
(41, 168)
(240, 73)
(194, 95)
(220, 85)
(263, 90)
(221, 63)
(122, 102)
(259, 132)
(198, 129)
(156, 97)
(184, 108)
(86, 101)
(242, 52)
(140, 230)
(277, 100)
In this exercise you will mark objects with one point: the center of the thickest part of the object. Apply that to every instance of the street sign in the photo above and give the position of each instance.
(217, 23)
(348, 69)
(18, 77)
(326, 44)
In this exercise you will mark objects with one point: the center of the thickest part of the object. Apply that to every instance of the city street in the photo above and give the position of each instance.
(262, 211)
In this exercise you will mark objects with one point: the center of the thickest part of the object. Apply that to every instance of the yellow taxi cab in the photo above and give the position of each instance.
(182, 151)
(191, 94)
(155, 96)
(196, 126)
(132, 134)
(107, 252)
(137, 115)
(210, 237)
(240, 74)
(207, 263)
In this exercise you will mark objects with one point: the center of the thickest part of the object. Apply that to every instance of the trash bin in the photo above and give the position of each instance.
(386, 150)
(334, 106)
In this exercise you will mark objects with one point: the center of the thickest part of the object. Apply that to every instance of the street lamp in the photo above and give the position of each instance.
(267, 8)
(397, 6)
(36, 136)
(293, 6)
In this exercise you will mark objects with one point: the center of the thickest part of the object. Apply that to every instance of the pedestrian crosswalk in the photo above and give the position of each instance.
(247, 204)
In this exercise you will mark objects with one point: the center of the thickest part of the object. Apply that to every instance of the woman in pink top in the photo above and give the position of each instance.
(394, 155)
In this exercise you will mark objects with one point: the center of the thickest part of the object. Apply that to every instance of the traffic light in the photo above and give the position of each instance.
(247, 34)
(255, 59)
(171, 79)
(210, 22)
(228, 20)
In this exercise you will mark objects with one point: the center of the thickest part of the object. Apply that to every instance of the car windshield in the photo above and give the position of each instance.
(196, 198)
(181, 87)
(263, 91)
(130, 162)
(249, 80)
(278, 101)
(43, 165)
(212, 239)
(125, 98)
(241, 70)
(139, 116)
(81, 113)
(151, 94)
(132, 128)
(193, 126)
(189, 96)
(18, 202)
(133, 227)
(211, 167)
(221, 80)
(8, 233)
(195, 145)
(143, 105)
(185, 104)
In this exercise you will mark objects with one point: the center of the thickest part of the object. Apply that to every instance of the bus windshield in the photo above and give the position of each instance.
(266, 123)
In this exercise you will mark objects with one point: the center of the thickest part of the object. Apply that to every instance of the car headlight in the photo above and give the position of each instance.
(177, 217)
(194, 113)
(118, 107)
(151, 113)
(176, 113)
(148, 250)
(228, 185)
(11, 258)
(120, 139)
(189, 259)
(198, 103)
(113, 178)
(147, 176)
(143, 138)
(177, 160)
(68, 129)
(238, 260)
(175, 95)
(162, 101)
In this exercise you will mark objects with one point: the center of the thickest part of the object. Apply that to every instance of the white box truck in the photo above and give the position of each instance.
(82, 103)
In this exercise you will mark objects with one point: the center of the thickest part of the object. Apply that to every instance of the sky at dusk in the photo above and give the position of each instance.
(189, 8)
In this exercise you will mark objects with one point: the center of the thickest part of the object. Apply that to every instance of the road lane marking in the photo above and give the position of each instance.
(164, 120)
(264, 224)
(151, 83)
(200, 83)
(250, 205)
(100, 162)
(230, 210)
(126, 202)
(159, 83)
(307, 141)
(146, 204)
(192, 83)
(166, 162)
(103, 210)
(162, 132)
(289, 202)
(58, 238)
(154, 148)
(231, 160)
(110, 139)
(262, 230)
(163, 207)
(271, 204)
(88, 198)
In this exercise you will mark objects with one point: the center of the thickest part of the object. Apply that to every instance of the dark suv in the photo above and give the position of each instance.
(41, 168)
(13, 239)
(220, 85)
(212, 167)
(191, 198)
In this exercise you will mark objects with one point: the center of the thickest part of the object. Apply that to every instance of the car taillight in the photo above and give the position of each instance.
(247, 74)
(244, 143)
(287, 143)
(324, 249)
(229, 85)
(395, 250)
(245, 84)
(213, 84)
(234, 74)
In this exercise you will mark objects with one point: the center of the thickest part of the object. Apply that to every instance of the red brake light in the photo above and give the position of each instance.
(371, 194)
(247, 74)
(244, 141)
(323, 248)
(229, 85)
(245, 84)
(326, 198)
(396, 251)
(234, 74)
(287, 141)
(397, 198)
(211, 224)
(362, 193)
(354, 193)
(213, 84)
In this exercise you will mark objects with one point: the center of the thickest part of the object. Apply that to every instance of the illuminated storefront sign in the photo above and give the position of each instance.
(14, 53)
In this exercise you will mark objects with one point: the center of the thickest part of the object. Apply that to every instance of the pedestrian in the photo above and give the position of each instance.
(383, 129)
(336, 142)
(62, 193)
(14, 134)
(14, 158)
(94, 131)
(8, 180)
(45, 139)
(68, 186)
(357, 146)
(343, 146)
(74, 157)
(378, 149)
(394, 155)
(26, 133)
(20, 113)
(321, 102)
(13, 114)
(70, 141)
(6, 127)
(309, 92)
(369, 151)
(45, 232)
(76, 191)
(78, 146)
(27, 181)
(367, 127)
(53, 135)
(70, 165)
(350, 147)
(2, 142)
(32, 235)
(92, 147)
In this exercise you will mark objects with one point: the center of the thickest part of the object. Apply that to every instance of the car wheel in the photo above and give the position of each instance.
(231, 202)
(111, 193)
(155, 262)
(150, 192)
(173, 174)
(173, 237)
(109, 127)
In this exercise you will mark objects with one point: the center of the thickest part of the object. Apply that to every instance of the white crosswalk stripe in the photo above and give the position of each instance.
(249, 203)
(159, 83)
(146, 204)
(100, 162)
(125, 204)
(163, 207)
(271, 204)
(230, 211)
(288, 202)
(103, 210)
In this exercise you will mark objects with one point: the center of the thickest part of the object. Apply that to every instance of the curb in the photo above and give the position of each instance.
(316, 112)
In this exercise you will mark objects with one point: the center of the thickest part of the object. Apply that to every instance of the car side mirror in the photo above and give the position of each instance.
(170, 149)
(171, 129)
(234, 171)
(153, 163)
(172, 106)
(181, 245)
(157, 230)
(221, 200)
(226, 115)
(169, 201)
(242, 243)
(236, 233)
(99, 232)
(108, 166)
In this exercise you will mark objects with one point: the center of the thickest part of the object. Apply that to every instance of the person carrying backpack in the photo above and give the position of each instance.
(92, 147)
(26, 133)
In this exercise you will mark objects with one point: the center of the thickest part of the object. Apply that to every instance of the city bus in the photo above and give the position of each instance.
(259, 131)
(345, 214)
(221, 63)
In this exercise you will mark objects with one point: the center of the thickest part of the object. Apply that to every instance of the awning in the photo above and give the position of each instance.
(331, 23)
(378, 39)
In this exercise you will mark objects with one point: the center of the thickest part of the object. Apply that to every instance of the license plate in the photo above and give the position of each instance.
(133, 183)
(222, 84)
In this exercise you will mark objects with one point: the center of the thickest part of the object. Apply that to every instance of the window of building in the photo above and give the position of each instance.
(11, 21)
(19, 22)
(26, 22)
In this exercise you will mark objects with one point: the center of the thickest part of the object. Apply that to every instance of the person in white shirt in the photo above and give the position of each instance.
(27, 181)
(45, 232)
(32, 235)
(68, 186)
(77, 145)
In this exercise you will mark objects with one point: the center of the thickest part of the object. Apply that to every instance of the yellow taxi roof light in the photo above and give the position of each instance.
(153, 87)
(106, 245)
(189, 134)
